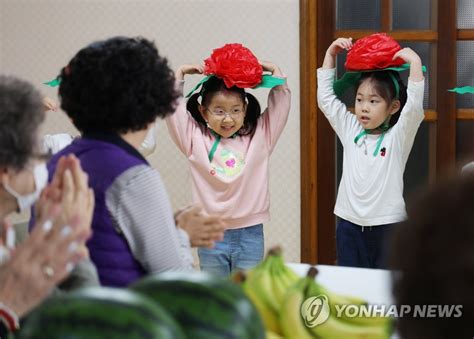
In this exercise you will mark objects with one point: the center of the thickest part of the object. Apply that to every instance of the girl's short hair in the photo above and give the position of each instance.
(383, 83)
(21, 114)
(117, 85)
(215, 85)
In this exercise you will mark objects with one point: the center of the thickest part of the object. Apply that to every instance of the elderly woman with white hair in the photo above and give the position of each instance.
(64, 207)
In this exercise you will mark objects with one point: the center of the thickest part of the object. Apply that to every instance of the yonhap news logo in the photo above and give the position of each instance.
(317, 310)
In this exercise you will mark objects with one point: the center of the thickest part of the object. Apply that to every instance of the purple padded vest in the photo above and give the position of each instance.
(104, 157)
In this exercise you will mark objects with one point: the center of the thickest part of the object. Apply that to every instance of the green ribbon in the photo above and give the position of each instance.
(53, 83)
(395, 83)
(217, 141)
(350, 79)
(214, 146)
(268, 81)
(462, 90)
(384, 127)
(203, 80)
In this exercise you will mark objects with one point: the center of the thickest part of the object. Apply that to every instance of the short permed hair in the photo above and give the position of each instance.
(117, 85)
(433, 261)
(21, 113)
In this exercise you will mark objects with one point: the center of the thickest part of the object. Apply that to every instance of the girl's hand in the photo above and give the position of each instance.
(339, 45)
(410, 56)
(271, 67)
(50, 104)
(334, 49)
(188, 69)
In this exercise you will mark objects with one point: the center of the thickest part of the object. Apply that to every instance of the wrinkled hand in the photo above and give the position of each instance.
(203, 230)
(50, 104)
(188, 69)
(43, 260)
(70, 189)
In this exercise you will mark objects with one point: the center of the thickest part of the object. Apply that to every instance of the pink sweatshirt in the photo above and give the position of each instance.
(235, 183)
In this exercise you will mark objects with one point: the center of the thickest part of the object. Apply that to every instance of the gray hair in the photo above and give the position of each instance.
(21, 113)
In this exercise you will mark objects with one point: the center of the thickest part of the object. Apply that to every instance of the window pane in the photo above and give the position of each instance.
(408, 14)
(417, 168)
(361, 14)
(349, 96)
(465, 15)
(464, 141)
(465, 74)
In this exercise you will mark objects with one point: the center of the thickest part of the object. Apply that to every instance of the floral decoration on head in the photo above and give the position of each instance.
(373, 52)
(236, 65)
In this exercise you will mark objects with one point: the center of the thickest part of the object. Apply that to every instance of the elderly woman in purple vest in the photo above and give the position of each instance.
(113, 91)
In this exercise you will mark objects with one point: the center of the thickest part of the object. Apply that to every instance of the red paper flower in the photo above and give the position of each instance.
(236, 65)
(373, 52)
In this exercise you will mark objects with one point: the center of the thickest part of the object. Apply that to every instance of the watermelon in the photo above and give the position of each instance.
(100, 312)
(205, 306)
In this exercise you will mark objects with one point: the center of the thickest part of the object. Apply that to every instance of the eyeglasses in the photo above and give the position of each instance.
(220, 113)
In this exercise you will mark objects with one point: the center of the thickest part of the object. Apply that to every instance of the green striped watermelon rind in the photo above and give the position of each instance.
(205, 306)
(100, 312)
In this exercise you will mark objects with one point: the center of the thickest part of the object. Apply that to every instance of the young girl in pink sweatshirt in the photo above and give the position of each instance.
(228, 143)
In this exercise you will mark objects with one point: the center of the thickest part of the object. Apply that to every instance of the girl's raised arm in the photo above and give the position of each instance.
(334, 49)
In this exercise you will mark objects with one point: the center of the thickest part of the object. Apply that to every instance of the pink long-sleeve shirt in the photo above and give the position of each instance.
(235, 183)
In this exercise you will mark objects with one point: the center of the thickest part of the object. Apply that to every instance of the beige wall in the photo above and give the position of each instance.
(37, 37)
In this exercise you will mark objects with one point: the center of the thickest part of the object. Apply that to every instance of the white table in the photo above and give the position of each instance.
(372, 285)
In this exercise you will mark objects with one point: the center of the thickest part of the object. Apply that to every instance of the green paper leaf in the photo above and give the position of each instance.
(54, 82)
(462, 90)
(348, 80)
(269, 81)
(400, 68)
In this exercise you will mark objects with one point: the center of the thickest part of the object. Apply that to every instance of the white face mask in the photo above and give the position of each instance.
(149, 144)
(40, 174)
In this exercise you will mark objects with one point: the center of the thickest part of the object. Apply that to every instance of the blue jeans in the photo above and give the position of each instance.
(241, 248)
(359, 246)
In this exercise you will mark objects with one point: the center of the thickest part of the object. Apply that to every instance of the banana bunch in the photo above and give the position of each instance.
(295, 307)
(309, 311)
(266, 286)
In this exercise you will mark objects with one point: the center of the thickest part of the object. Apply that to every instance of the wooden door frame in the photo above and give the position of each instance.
(318, 163)
(318, 176)
(308, 132)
